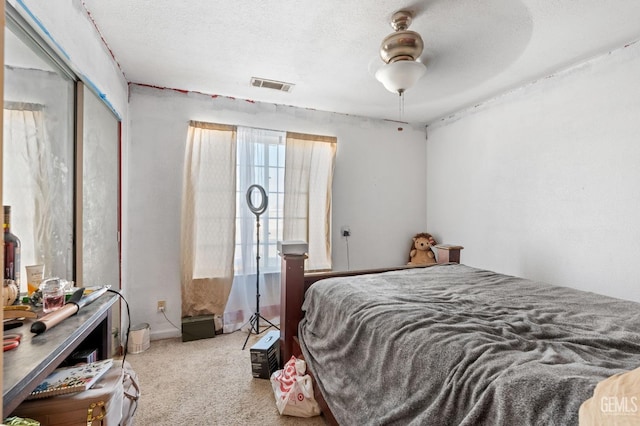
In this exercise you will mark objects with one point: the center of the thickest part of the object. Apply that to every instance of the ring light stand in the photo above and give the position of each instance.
(254, 321)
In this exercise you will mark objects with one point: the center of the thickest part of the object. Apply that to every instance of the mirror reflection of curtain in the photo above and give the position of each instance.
(26, 180)
(307, 204)
(255, 166)
(208, 218)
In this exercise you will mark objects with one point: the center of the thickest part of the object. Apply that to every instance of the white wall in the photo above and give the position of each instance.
(379, 188)
(67, 29)
(543, 182)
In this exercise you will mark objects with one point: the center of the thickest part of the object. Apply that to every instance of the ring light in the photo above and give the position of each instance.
(263, 201)
(254, 321)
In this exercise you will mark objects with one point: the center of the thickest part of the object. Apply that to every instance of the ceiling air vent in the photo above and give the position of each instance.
(271, 84)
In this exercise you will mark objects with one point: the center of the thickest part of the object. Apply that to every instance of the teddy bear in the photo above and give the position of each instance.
(421, 253)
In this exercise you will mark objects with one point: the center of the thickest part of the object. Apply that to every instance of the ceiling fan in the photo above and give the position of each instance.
(400, 52)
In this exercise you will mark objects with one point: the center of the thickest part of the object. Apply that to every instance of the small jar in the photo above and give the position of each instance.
(52, 294)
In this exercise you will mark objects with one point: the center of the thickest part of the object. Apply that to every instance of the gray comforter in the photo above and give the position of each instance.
(451, 344)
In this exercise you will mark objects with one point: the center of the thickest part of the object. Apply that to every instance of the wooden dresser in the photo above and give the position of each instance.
(38, 355)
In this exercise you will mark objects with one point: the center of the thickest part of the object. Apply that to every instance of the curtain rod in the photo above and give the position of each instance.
(304, 136)
(234, 126)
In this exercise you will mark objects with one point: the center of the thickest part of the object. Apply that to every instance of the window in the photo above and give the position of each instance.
(260, 160)
(220, 256)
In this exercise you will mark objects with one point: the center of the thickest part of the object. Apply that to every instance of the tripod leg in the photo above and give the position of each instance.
(268, 322)
(253, 324)
(253, 320)
(245, 341)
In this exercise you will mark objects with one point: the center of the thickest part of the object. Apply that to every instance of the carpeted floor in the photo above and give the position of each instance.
(205, 382)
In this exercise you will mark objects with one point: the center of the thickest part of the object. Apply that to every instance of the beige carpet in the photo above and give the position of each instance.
(205, 382)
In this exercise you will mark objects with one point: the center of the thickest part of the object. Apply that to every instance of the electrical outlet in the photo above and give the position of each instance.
(345, 231)
(161, 305)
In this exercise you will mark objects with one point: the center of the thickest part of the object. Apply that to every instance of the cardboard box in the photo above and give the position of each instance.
(265, 355)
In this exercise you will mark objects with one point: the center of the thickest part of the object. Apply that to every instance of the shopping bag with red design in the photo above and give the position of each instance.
(293, 390)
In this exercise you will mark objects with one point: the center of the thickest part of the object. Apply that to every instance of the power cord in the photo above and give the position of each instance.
(126, 346)
(169, 321)
(193, 336)
(346, 233)
(348, 265)
(126, 338)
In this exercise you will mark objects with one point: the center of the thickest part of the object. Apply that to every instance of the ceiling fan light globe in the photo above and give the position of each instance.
(400, 75)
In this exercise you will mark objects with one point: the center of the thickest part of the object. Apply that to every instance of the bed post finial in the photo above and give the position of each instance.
(291, 294)
(448, 253)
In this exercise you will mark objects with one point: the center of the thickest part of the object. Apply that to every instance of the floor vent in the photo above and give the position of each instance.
(271, 84)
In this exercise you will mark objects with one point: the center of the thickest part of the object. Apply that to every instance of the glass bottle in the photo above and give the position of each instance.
(11, 250)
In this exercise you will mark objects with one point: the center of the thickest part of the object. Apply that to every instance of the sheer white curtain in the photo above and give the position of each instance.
(309, 168)
(254, 146)
(26, 183)
(208, 218)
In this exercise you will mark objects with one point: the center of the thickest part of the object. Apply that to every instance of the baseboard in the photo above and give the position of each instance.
(168, 333)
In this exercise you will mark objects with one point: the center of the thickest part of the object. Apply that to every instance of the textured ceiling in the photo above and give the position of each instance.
(474, 49)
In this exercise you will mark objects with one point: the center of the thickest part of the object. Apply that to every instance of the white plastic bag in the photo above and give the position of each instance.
(294, 390)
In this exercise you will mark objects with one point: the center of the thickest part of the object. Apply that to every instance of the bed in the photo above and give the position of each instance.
(453, 345)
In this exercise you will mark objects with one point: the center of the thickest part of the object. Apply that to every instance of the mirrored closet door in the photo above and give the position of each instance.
(60, 164)
(100, 195)
(38, 155)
